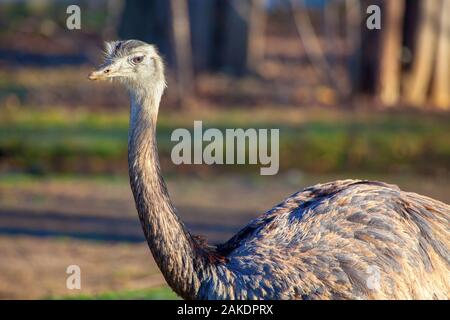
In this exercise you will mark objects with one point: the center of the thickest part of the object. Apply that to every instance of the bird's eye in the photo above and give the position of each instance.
(137, 59)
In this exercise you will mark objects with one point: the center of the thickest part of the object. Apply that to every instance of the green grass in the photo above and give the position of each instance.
(58, 141)
(163, 293)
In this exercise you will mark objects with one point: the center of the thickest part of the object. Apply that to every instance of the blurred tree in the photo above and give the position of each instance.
(314, 49)
(204, 22)
(408, 59)
(353, 45)
(256, 36)
(236, 28)
(417, 82)
(362, 45)
(389, 54)
(182, 50)
(199, 35)
(440, 91)
(244, 26)
(225, 35)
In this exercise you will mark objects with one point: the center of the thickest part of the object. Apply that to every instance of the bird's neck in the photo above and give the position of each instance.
(173, 248)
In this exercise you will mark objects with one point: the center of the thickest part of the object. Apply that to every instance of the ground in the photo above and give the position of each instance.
(47, 224)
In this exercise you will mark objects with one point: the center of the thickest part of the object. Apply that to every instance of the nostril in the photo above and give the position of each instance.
(107, 71)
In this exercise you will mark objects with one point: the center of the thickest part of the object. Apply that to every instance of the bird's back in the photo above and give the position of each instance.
(345, 239)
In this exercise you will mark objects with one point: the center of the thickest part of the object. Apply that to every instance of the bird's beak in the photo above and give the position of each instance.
(103, 73)
(94, 75)
(100, 74)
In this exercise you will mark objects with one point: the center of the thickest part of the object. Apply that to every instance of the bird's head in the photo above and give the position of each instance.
(132, 62)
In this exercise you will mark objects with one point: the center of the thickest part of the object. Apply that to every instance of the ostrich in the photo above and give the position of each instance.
(349, 239)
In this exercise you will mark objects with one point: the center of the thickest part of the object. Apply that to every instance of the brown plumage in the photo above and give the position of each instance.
(348, 239)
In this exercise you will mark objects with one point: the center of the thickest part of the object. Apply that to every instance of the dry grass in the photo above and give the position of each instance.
(36, 268)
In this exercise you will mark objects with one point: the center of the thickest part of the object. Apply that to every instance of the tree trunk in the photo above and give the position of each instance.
(236, 30)
(256, 35)
(389, 72)
(203, 24)
(183, 50)
(418, 80)
(353, 44)
(440, 91)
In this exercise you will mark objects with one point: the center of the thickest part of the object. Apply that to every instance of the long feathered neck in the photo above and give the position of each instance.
(173, 248)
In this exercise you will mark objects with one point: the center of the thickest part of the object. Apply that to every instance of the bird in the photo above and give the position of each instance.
(347, 239)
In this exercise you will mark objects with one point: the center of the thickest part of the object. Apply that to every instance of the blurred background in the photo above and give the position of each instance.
(350, 102)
